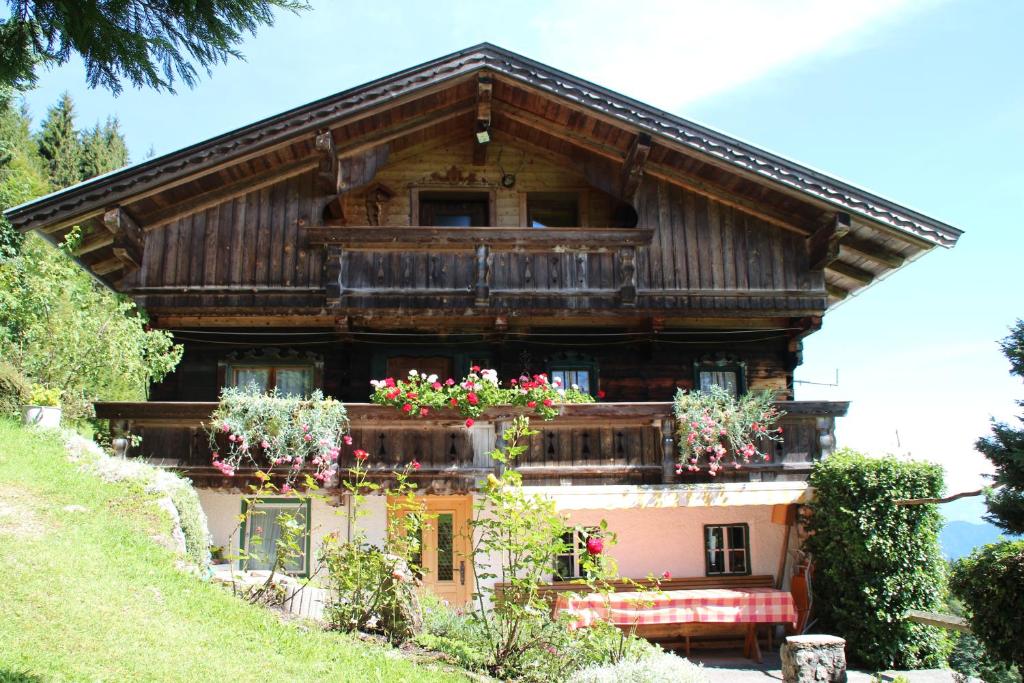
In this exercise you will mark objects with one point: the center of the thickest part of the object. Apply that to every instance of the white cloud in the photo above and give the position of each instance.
(670, 53)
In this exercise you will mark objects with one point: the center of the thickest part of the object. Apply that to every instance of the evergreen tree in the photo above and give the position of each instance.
(149, 43)
(103, 149)
(59, 144)
(1005, 448)
(22, 171)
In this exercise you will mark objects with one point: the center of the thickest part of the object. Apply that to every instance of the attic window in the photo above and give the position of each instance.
(454, 209)
(552, 209)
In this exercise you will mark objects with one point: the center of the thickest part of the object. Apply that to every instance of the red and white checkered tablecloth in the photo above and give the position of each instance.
(710, 606)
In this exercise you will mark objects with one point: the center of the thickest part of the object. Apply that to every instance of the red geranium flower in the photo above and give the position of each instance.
(407, 408)
(415, 464)
(424, 411)
(600, 394)
(469, 422)
(360, 454)
(548, 402)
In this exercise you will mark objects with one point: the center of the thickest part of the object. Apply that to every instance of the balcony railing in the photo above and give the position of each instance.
(595, 443)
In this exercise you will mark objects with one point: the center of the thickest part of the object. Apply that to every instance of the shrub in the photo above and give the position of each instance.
(41, 396)
(660, 668)
(875, 560)
(193, 523)
(15, 390)
(990, 581)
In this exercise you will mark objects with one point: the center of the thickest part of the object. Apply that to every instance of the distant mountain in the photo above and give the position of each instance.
(959, 538)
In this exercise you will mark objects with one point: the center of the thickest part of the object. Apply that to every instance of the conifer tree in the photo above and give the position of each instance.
(22, 171)
(103, 149)
(59, 144)
(1005, 448)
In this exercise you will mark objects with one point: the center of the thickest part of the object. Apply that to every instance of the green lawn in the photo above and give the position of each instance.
(87, 595)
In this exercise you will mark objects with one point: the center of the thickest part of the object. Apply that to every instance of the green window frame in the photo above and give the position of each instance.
(276, 504)
(572, 371)
(726, 549)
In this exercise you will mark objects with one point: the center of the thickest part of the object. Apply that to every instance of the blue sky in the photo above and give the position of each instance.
(921, 102)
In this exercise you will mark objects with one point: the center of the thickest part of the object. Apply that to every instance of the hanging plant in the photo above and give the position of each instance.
(420, 394)
(715, 429)
(278, 434)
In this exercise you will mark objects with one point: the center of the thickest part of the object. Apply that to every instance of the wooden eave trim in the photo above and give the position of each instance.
(421, 238)
(791, 223)
(661, 136)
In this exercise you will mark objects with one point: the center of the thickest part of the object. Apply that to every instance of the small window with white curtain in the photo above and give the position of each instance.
(728, 377)
(266, 525)
(727, 549)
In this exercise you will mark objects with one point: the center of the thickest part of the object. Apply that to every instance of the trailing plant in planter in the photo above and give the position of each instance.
(420, 394)
(278, 435)
(715, 429)
(281, 438)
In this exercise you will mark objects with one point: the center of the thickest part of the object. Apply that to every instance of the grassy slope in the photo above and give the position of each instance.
(87, 595)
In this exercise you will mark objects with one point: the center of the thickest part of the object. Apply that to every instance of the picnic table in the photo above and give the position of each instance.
(683, 613)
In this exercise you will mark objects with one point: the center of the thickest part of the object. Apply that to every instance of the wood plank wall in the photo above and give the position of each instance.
(255, 241)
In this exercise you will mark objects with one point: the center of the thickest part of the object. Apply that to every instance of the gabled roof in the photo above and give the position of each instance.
(682, 142)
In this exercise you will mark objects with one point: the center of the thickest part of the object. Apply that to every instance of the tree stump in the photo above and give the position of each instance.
(814, 659)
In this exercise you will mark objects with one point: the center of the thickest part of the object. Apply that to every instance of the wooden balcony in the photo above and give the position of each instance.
(600, 443)
(382, 266)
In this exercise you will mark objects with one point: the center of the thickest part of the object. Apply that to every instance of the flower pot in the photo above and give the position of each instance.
(42, 416)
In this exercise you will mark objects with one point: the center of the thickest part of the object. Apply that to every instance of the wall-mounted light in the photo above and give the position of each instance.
(483, 137)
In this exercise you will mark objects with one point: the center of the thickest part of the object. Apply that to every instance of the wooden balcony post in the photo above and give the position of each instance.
(333, 273)
(483, 289)
(668, 450)
(627, 271)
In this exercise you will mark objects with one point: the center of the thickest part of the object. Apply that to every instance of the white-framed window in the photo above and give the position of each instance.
(568, 565)
(726, 549)
(263, 528)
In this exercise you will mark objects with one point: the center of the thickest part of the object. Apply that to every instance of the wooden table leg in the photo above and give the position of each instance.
(752, 648)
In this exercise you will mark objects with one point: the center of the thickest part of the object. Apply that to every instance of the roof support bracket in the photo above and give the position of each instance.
(482, 131)
(129, 237)
(633, 166)
(823, 244)
(327, 172)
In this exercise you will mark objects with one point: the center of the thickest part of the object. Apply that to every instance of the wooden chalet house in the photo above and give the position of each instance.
(485, 209)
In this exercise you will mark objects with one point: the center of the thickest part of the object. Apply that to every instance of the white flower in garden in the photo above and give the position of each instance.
(431, 379)
(376, 383)
(490, 376)
(575, 387)
(413, 373)
(556, 381)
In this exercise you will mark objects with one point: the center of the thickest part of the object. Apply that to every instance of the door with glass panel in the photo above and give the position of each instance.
(445, 551)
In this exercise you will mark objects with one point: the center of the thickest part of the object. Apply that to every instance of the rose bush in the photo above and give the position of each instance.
(420, 394)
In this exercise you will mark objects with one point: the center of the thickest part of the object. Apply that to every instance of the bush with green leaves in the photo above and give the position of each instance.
(990, 580)
(15, 390)
(874, 560)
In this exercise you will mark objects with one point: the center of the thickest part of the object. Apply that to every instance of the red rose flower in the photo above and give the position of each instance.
(595, 545)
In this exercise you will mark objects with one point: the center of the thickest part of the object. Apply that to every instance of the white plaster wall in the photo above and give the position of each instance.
(654, 540)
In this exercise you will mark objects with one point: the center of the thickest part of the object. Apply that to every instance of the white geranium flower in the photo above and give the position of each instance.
(376, 383)
(556, 381)
(575, 387)
(491, 376)
(413, 373)
(431, 379)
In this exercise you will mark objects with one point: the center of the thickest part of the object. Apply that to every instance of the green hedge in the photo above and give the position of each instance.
(875, 560)
(991, 581)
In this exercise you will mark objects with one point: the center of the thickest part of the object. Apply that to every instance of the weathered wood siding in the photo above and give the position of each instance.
(251, 251)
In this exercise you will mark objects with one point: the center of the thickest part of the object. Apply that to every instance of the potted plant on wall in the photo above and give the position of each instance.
(43, 408)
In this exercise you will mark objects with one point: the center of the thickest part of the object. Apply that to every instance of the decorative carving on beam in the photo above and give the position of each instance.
(823, 244)
(129, 238)
(377, 198)
(633, 166)
(627, 271)
(327, 173)
(483, 119)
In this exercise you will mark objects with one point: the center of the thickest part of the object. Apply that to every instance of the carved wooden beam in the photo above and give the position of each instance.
(327, 172)
(129, 237)
(482, 130)
(633, 166)
(823, 244)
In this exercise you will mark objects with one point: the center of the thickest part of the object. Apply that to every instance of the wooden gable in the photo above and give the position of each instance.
(266, 219)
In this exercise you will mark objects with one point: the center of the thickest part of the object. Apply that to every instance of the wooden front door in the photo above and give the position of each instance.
(446, 550)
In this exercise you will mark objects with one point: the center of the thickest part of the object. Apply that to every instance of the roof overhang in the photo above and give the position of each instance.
(622, 497)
